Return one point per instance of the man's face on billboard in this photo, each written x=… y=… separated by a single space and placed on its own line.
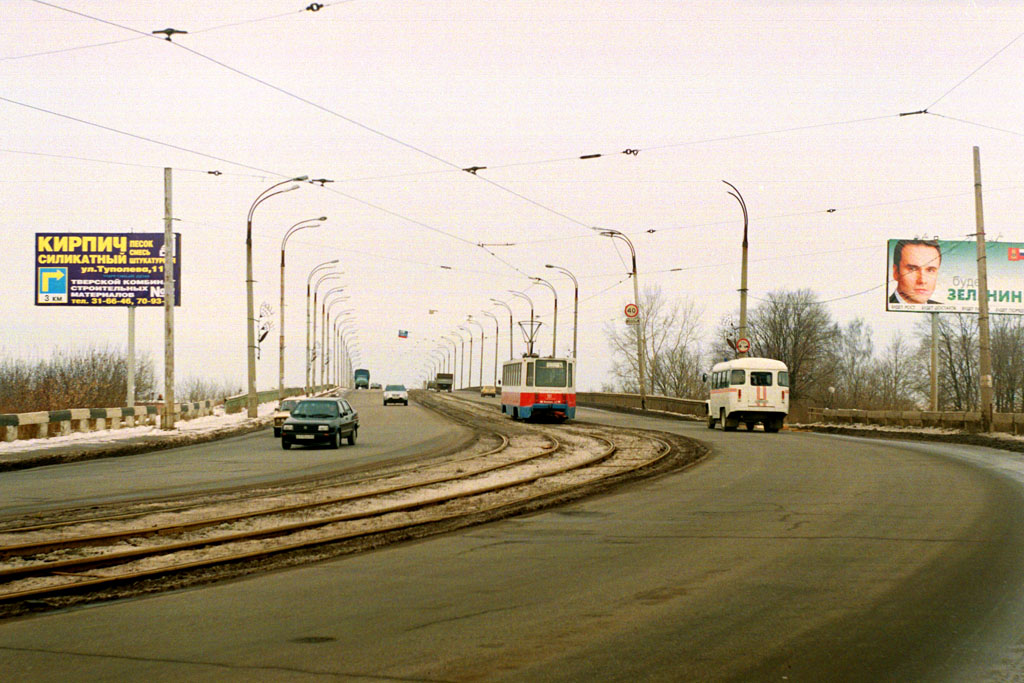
x=916 y=274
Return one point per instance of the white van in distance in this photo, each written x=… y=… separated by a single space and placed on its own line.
x=748 y=390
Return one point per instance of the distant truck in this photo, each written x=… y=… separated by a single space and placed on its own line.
x=444 y=381
x=362 y=378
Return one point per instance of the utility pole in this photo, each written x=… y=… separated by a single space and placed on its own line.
x=984 y=344
x=168 y=417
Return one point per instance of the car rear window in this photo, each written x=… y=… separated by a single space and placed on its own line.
x=395 y=387
x=317 y=409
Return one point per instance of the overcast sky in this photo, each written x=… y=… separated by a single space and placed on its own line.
x=795 y=103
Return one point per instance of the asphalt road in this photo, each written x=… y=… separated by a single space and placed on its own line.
x=790 y=556
x=385 y=433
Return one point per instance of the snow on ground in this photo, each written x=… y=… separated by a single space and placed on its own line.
x=219 y=421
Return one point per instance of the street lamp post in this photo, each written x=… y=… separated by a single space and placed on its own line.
x=454 y=358
x=438 y=362
x=295 y=228
x=328 y=328
x=554 y=322
x=250 y=321
x=312 y=360
x=743 y=269
x=509 y=309
x=309 y=280
x=325 y=357
x=641 y=343
x=477 y=323
x=575 y=303
x=529 y=341
x=463 y=328
x=340 y=351
x=497 y=334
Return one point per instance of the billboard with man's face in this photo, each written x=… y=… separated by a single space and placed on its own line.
x=941 y=276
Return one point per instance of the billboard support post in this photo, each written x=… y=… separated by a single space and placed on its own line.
x=935 y=362
x=984 y=344
x=130 y=398
x=167 y=421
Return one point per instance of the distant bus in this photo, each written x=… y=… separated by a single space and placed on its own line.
x=534 y=387
x=362 y=378
x=748 y=390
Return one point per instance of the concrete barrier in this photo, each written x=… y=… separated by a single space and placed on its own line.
x=45 y=424
x=965 y=421
x=631 y=402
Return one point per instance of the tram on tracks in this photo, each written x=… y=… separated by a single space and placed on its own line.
x=539 y=388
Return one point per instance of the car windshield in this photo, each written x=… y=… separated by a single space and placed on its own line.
x=395 y=387
x=287 y=405
x=316 y=409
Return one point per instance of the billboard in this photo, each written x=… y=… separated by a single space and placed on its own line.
x=941 y=276
x=103 y=269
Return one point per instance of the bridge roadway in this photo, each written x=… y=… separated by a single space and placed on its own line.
x=793 y=556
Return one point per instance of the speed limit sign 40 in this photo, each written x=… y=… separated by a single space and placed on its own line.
x=632 y=310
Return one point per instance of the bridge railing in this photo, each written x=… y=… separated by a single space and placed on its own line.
x=46 y=424
x=968 y=421
x=664 y=404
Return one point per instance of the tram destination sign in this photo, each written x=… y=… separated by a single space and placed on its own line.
x=103 y=269
x=941 y=276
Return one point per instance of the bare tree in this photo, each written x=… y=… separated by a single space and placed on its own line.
x=958 y=359
x=852 y=366
x=83 y=378
x=673 y=353
x=797 y=329
x=201 y=389
x=1008 y=363
x=897 y=377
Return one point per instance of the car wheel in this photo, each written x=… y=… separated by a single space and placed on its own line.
x=352 y=436
x=286 y=444
x=336 y=440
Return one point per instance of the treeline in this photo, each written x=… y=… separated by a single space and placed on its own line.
x=831 y=364
x=91 y=377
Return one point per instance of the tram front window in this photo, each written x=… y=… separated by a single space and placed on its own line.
x=551 y=373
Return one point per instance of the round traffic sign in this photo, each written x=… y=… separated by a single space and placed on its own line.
x=742 y=345
x=632 y=310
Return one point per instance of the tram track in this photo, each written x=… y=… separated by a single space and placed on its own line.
x=531 y=465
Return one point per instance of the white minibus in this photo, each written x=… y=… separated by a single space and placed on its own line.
x=748 y=390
